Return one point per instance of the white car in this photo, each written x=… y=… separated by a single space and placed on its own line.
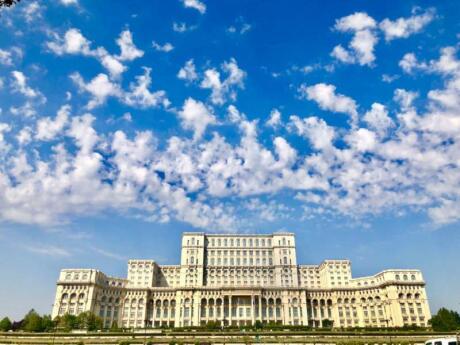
x=442 y=341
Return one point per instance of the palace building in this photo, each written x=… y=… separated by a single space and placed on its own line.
x=242 y=279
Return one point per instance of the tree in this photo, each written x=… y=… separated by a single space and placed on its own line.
x=47 y=323
x=328 y=323
x=5 y=324
x=8 y=3
x=67 y=322
x=445 y=320
x=32 y=322
x=89 y=321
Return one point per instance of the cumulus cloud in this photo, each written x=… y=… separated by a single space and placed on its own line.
x=366 y=30
x=224 y=89
x=7 y=56
x=69 y=2
x=100 y=88
x=188 y=72
x=19 y=85
x=361 y=47
x=405 y=27
x=327 y=99
x=165 y=48
x=196 y=116
x=195 y=4
x=74 y=43
x=183 y=27
x=138 y=95
x=274 y=119
x=129 y=51
x=48 y=128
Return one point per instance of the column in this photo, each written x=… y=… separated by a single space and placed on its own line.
x=253 y=312
x=230 y=307
x=303 y=300
x=260 y=308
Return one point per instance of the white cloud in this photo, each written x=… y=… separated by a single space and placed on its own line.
x=129 y=51
x=222 y=90
x=100 y=88
x=69 y=2
x=315 y=130
x=48 y=250
x=386 y=78
x=48 y=129
x=24 y=136
x=196 y=116
x=5 y=57
x=19 y=85
x=4 y=127
x=32 y=11
x=183 y=27
x=275 y=118
x=405 y=27
x=26 y=110
x=140 y=96
x=195 y=4
x=188 y=72
x=165 y=48
x=362 y=140
x=361 y=48
x=327 y=99
x=74 y=43
x=377 y=118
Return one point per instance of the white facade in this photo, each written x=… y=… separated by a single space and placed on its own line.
x=241 y=279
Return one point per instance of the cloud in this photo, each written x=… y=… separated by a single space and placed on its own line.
x=188 y=72
x=19 y=85
x=100 y=88
x=366 y=31
x=183 y=27
x=129 y=51
x=405 y=27
x=74 y=43
x=222 y=90
x=275 y=118
x=7 y=56
x=47 y=250
x=315 y=130
x=196 y=116
x=69 y=2
x=48 y=129
x=361 y=47
x=138 y=95
x=377 y=118
x=195 y=4
x=165 y=48
x=327 y=99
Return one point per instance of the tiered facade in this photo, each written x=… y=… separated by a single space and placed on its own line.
x=241 y=279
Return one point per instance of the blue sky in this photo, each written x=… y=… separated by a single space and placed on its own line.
x=121 y=127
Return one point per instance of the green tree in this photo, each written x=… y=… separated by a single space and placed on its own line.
x=33 y=322
x=67 y=322
x=445 y=320
x=328 y=323
x=47 y=323
x=89 y=321
x=5 y=324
